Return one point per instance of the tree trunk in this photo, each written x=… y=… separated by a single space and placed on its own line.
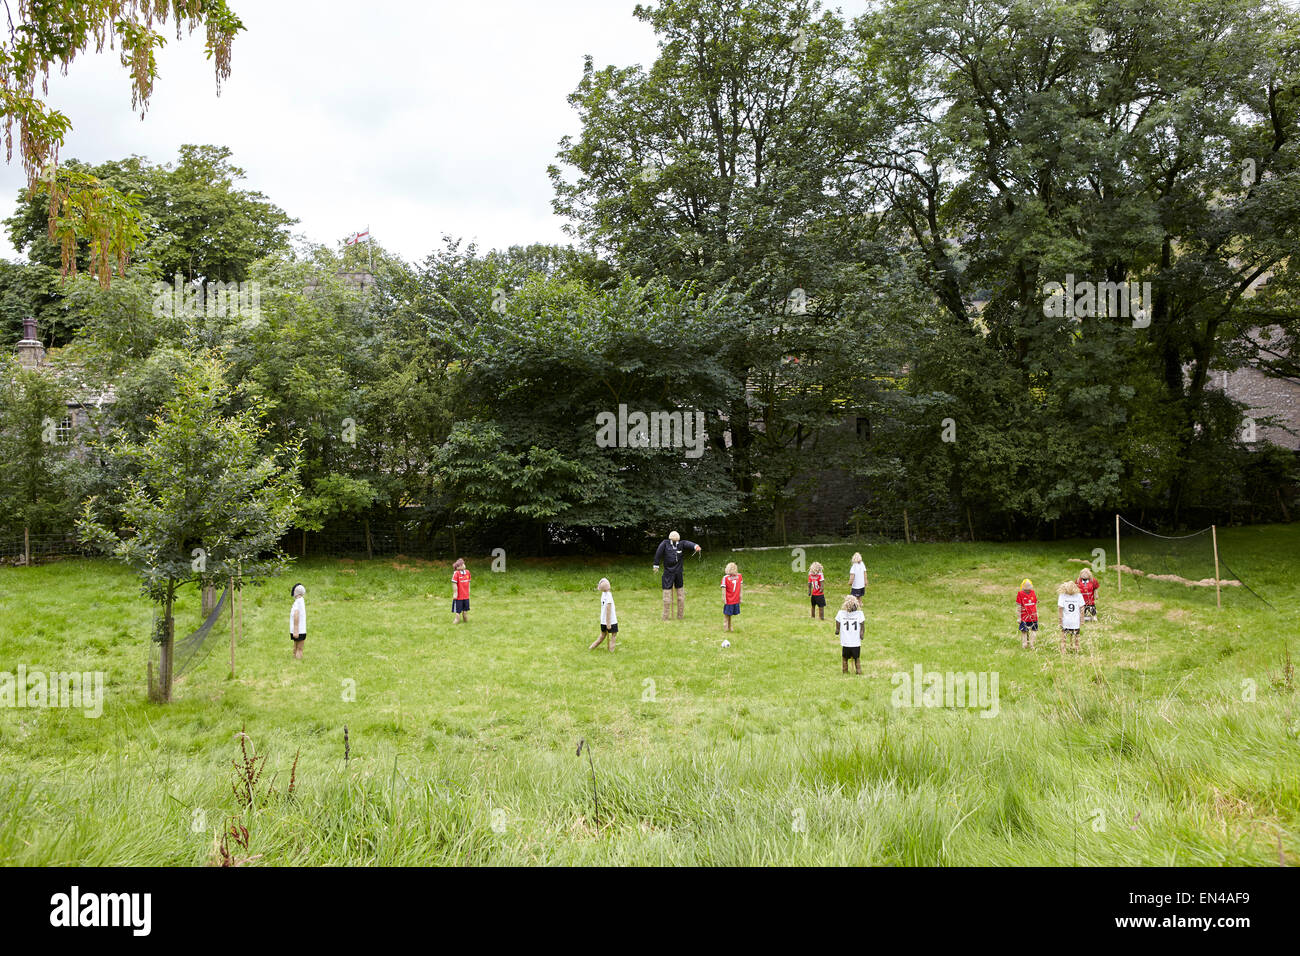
x=168 y=646
x=209 y=599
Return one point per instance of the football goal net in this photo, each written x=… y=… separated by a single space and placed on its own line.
x=1191 y=563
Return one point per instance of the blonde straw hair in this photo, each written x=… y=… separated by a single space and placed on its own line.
x=851 y=604
x=815 y=568
x=857 y=557
x=731 y=568
x=1069 y=587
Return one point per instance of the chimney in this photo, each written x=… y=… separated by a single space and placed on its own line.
x=31 y=352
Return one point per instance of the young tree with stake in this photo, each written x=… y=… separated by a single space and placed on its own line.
x=206 y=501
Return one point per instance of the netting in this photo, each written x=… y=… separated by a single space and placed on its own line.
x=191 y=650
x=1179 y=565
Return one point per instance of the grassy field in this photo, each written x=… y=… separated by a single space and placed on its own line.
x=1152 y=746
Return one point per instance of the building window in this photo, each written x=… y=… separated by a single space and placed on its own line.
x=63 y=432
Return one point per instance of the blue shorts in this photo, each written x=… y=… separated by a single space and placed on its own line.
x=459 y=604
x=1028 y=626
x=730 y=609
x=857 y=592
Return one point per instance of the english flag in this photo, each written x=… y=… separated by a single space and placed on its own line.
x=356 y=237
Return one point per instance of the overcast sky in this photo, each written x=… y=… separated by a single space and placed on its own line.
x=415 y=118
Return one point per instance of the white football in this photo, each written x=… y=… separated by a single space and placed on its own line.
x=726 y=643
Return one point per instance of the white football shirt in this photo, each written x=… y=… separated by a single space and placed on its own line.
x=850 y=623
x=299 y=605
x=607 y=599
x=858 y=575
x=1072 y=607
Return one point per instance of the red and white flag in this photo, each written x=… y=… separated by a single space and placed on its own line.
x=356 y=237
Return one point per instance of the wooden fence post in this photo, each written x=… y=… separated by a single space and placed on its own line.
x=1214 y=537
x=1119 y=578
x=232 y=627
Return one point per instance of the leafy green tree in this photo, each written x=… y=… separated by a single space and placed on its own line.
x=484 y=479
x=32 y=291
x=120 y=326
x=194 y=220
x=558 y=354
x=205 y=500
x=309 y=354
x=37 y=464
x=726 y=163
x=412 y=397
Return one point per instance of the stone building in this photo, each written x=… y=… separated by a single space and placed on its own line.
x=82 y=403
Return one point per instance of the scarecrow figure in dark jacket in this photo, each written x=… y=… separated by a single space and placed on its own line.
x=671 y=556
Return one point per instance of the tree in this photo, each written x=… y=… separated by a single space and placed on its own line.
x=538 y=375
x=309 y=354
x=48 y=36
x=204 y=502
x=36 y=463
x=194 y=219
x=725 y=164
x=484 y=478
x=32 y=291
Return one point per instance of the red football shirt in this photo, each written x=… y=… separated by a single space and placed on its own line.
x=816 y=582
x=731 y=585
x=1088 y=588
x=1028 y=602
x=461 y=579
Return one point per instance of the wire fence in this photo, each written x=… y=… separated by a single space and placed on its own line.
x=40 y=548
